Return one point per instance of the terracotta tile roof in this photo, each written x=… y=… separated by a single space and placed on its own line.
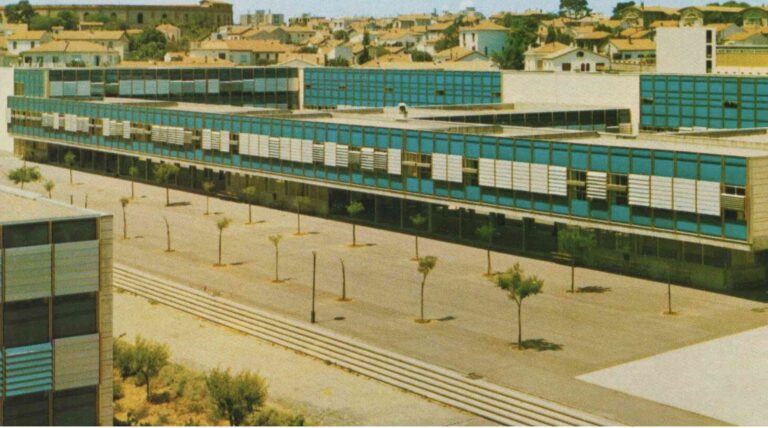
x=485 y=26
x=27 y=35
x=61 y=46
x=595 y=35
x=549 y=48
x=245 y=45
x=454 y=53
x=665 y=23
x=89 y=35
x=634 y=44
x=166 y=27
x=744 y=35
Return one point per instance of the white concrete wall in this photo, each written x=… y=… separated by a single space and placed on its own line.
x=585 y=89
x=6 y=90
x=683 y=50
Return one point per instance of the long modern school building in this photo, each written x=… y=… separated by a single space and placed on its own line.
x=689 y=207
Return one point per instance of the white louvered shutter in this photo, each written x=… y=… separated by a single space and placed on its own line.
x=56 y=121
x=540 y=178
x=342 y=155
x=330 y=154
x=439 y=166
x=127 y=131
x=285 y=149
x=708 y=198
x=486 y=172
x=639 y=190
x=455 y=169
x=318 y=153
x=295 y=150
x=394 y=161
x=274 y=148
x=661 y=192
x=215 y=140
x=105 y=127
x=684 y=194
x=225 y=141
x=597 y=186
x=558 y=180
x=504 y=174
x=207 y=139
x=366 y=158
x=521 y=176
x=380 y=160
x=264 y=145
x=306 y=151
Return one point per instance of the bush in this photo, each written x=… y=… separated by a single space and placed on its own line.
x=123 y=357
x=160 y=398
x=117 y=390
x=274 y=418
x=236 y=397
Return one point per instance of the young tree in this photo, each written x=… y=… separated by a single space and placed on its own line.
x=124 y=203
x=353 y=209
x=518 y=288
x=69 y=160
x=235 y=397
x=208 y=187
x=48 y=186
x=300 y=202
x=221 y=225
x=417 y=220
x=486 y=232
x=275 y=240
x=164 y=173
x=343 y=282
x=426 y=265
x=24 y=174
x=250 y=194
x=574 y=241
x=575 y=9
x=148 y=358
x=133 y=172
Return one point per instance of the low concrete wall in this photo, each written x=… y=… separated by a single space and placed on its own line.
x=585 y=89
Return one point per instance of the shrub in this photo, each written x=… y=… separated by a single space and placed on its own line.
x=160 y=398
x=123 y=357
x=117 y=390
x=271 y=417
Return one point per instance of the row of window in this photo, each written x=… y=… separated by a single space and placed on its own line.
x=57 y=232
x=72 y=407
x=27 y=322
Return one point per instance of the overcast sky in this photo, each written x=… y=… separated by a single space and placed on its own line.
x=330 y=8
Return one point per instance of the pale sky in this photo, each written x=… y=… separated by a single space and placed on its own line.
x=331 y=8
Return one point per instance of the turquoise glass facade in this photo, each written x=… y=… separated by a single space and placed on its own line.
x=585 y=120
x=670 y=102
x=30 y=83
x=332 y=87
x=576 y=157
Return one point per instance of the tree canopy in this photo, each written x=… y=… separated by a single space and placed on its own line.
x=522 y=34
x=19 y=13
x=236 y=397
x=575 y=9
x=150 y=44
x=616 y=14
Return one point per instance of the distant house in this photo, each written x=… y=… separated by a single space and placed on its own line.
x=241 y=52
x=398 y=38
x=299 y=35
x=627 y=49
x=486 y=37
x=172 y=33
x=61 y=53
x=404 y=22
x=697 y=16
x=112 y=40
x=644 y=16
x=458 y=54
x=559 y=57
x=754 y=37
x=21 y=41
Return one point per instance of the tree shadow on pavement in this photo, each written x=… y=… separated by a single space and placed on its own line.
x=597 y=289
x=540 y=345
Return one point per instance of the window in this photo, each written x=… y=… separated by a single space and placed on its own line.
x=74 y=231
x=731 y=104
x=26 y=410
x=74 y=315
x=578 y=193
x=25 y=235
x=735 y=191
x=648 y=100
x=75 y=407
x=577 y=176
x=733 y=215
x=618 y=180
x=566 y=66
x=25 y=323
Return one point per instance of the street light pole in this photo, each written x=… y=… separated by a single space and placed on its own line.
x=314 y=276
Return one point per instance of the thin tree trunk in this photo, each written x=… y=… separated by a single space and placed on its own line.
x=207 y=205
x=167 y=235
x=573 y=274
x=343 y=281
x=250 y=218
x=519 y=325
x=423 y=281
x=277 y=264
x=70 y=176
x=220 y=234
x=417 y=246
x=298 y=221
x=167 y=197
x=133 y=194
x=488 y=254
x=125 y=225
x=354 y=235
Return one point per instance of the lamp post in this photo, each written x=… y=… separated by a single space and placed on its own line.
x=314 y=276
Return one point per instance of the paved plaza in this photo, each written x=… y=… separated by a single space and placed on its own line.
x=473 y=322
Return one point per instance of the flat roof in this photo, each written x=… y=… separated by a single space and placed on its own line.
x=503 y=109
x=20 y=206
x=186 y=106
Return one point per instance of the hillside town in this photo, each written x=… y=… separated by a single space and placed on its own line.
x=533 y=40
